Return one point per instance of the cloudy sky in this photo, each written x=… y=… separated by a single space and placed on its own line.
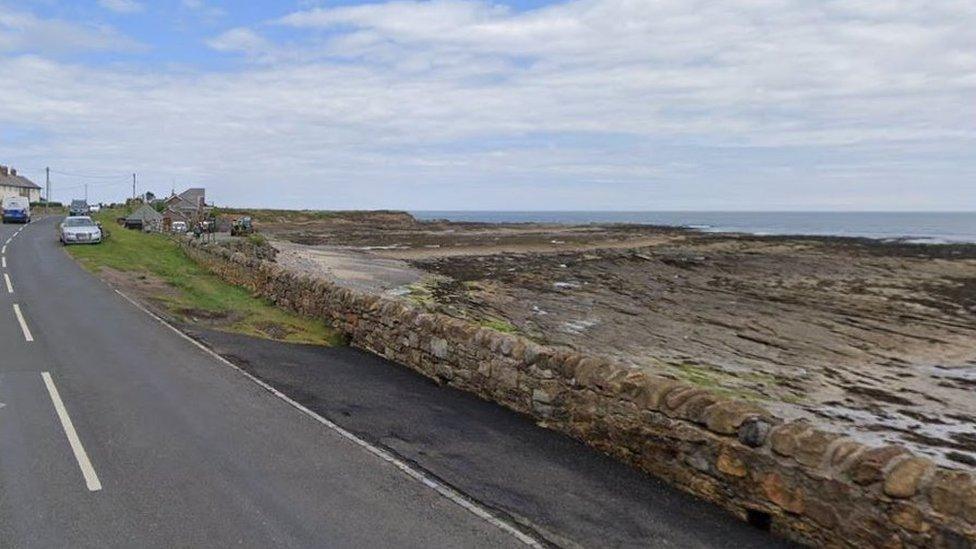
x=506 y=104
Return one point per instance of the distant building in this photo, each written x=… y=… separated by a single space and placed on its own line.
x=12 y=184
x=145 y=218
x=191 y=203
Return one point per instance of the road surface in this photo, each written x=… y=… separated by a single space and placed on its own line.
x=116 y=431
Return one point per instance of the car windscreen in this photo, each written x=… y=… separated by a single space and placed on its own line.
x=78 y=223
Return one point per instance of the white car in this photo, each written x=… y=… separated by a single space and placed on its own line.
x=79 y=230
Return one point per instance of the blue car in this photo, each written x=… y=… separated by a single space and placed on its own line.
x=16 y=209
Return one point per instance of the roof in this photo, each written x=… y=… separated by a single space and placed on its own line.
x=144 y=214
x=19 y=181
x=194 y=196
x=175 y=215
x=188 y=200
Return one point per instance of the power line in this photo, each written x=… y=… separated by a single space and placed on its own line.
x=90 y=176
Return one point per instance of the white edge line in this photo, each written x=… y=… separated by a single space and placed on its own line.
x=441 y=488
x=23 y=323
x=91 y=478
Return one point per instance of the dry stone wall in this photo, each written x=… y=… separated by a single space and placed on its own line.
x=812 y=486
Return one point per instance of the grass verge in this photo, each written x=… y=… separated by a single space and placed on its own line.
x=188 y=292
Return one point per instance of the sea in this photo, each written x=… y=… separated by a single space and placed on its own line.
x=917 y=227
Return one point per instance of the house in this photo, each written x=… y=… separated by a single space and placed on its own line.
x=12 y=184
x=145 y=218
x=191 y=203
x=170 y=215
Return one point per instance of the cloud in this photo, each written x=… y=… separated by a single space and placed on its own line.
x=203 y=9
x=24 y=32
x=122 y=6
x=240 y=40
x=584 y=103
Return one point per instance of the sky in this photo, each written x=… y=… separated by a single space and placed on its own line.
x=497 y=105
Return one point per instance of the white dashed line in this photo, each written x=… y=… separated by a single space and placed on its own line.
x=4 y=259
x=23 y=323
x=91 y=478
x=6 y=279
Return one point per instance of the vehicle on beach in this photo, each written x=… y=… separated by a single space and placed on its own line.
x=79 y=230
x=78 y=208
x=16 y=209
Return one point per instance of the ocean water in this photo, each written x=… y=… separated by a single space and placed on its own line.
x=923 y=227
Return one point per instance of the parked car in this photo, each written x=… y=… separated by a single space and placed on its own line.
x=178 y=227
x=79 y=230
x=95 y=208
x=16 y=209
x=78 y=208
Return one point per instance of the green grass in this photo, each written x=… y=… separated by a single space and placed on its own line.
x=499 y=326
x=724 y=382
x=194 y=291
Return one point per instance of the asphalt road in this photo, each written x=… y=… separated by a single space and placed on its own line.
x=116 y=431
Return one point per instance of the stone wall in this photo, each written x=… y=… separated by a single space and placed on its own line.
x=812 y=486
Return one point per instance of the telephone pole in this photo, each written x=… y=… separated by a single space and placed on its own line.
x=86 y=193
x=47 y=177
x=133 y=186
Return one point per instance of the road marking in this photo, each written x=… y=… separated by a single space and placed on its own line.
x=420 y=476
x=6 y=279
x=23 y=323
x=4 y=258
x=91 y=478
x=4 y=249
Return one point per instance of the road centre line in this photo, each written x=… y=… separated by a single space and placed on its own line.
x=4 y=259
x=91 y=478
x=418 y=475
x=23 y=323
x=10 y=287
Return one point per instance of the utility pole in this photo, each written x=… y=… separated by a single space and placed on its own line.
x=86 y=193
x=133 y=186
x=47 y=177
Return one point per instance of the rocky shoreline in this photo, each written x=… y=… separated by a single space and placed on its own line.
x=872 y=337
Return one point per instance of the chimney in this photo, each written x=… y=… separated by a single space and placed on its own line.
x=3 y=170
x=13 y=172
